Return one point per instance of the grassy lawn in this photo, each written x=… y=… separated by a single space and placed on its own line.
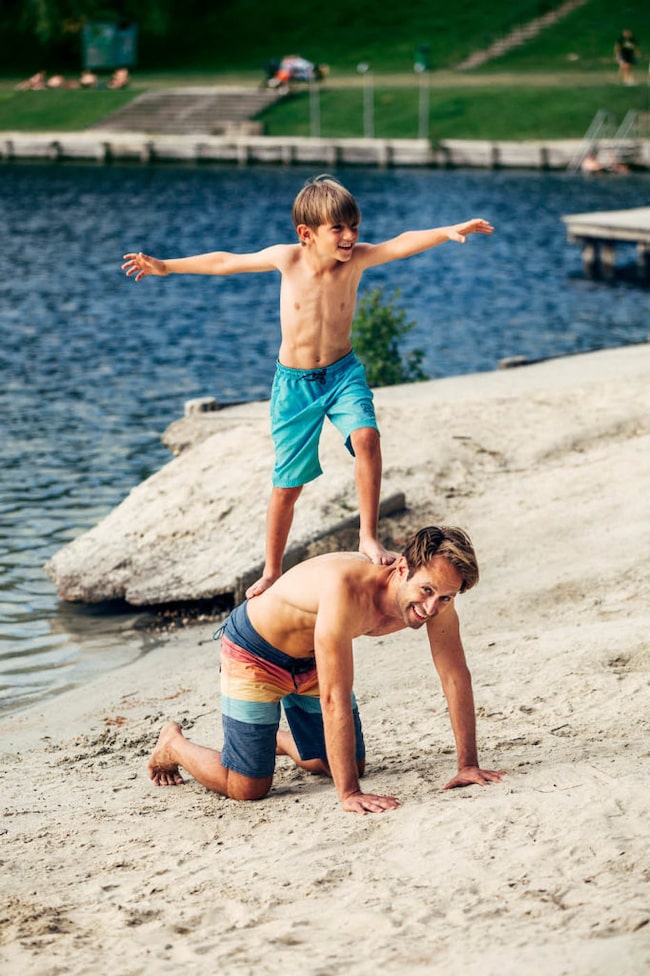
x=549 y=88
x=244 y=34
x=498 y=112
x=584 y=40
x=62 y=111
x=503 y=110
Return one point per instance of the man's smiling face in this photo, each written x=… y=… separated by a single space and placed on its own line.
x=428 y=592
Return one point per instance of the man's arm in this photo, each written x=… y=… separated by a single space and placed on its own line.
x=334 y=661
x=449 y=658
x=415 y=241
x=140 y=265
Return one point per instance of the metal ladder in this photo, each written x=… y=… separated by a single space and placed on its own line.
x=621 y=143
x=600 y=128
x=624 y=145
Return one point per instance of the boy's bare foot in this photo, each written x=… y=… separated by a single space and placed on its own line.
x=162 y=768
x=376 y=553
x=263 y=583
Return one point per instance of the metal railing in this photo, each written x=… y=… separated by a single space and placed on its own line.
x=619 y=143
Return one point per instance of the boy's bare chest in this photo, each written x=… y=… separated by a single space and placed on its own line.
x=324 y=296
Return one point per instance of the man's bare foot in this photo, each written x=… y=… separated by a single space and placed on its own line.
x=162 y=768
x=262 y=584
x=376 y=553
x=284 y=745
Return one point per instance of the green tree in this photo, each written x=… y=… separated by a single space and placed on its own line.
x=49 y=20
x=378 y=329
x=47 y=33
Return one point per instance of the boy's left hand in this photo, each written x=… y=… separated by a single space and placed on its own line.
x=476 y=226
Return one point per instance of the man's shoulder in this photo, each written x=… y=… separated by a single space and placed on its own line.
x=334 y=568
x=348 y=578
x=320 y=584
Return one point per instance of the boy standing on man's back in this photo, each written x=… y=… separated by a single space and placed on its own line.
x=317 y=373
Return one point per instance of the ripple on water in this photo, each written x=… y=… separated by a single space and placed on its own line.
x=95 y=367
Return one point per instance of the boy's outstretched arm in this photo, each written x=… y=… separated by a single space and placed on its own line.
x=414 y=241
x=139 y=265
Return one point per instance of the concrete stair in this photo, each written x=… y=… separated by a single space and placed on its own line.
x=192 y=111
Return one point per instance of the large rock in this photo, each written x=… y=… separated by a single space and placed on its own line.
x=195 y=529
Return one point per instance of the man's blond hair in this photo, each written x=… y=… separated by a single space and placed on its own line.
x=323 y=200
x=448 y=541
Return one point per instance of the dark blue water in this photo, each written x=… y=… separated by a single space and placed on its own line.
x=94 y=367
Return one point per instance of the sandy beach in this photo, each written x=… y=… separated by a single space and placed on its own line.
x=546 y=874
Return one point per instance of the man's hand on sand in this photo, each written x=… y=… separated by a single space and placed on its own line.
x=141 y=265
x=470 y=775
x=364 y=803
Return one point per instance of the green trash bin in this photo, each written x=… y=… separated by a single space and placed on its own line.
x=422 y=58
x=107 y=46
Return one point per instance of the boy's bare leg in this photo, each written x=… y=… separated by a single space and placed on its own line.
x=367 y=475
x=203 y=764
x=279 y=517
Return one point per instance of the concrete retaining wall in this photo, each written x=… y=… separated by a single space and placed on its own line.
x=106 y=146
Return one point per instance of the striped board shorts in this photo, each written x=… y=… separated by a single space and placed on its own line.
x=257 y=681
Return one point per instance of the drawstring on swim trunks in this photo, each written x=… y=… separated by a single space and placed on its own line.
x=300 y=667
x=217 y=634
x=317 y=376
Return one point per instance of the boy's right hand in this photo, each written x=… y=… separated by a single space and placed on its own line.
x=459 y=232
x=142 y=265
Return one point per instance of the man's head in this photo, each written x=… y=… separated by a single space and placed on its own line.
x=449 y=542
x=323 y=200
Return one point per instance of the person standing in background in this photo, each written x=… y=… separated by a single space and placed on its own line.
x=626 y=52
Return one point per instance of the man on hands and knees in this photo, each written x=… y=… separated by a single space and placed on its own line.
x=291 y=647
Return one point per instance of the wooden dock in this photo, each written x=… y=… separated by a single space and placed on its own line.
x=599 y=233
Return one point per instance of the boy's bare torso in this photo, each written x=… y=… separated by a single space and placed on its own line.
x=317 y=303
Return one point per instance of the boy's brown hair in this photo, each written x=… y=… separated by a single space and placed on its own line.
x=323 y=200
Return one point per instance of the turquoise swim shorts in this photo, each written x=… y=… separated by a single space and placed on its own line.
x=301 y=399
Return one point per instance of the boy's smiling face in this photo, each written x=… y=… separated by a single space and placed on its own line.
x=331 y=240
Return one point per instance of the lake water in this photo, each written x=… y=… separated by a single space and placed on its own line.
x=94 y=367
